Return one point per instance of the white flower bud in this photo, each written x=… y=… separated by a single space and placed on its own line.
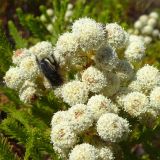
x=90 y=34
x=50 y=28
x=135 y=51
x=42 y=49
x=28 y=95
x=80 y=118
x=98 y=105
x=134 y=38
x=116 y=36
x=69 y=6
x=75 y=92
x=138 y=25
x=49 y=12
x=94 y=78
x=148 y=77
x=66 y=48
x=143 y=19
x=147 y=40
x=135 y=86
x=135 y=103
x=43 y=18
x=62 y=136
x=20 y=54
x=14 y=78
x=155 y=98
x=106 y=153
x=147 y=30
x=154 y=15
x=152 y=22
x=84 y=151
x=29 y=92
x=59 y=117
x=155 y=33
x=68 y=14
x=30 y=67
x=112 y=128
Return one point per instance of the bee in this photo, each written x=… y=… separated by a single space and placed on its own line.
x=51 y=70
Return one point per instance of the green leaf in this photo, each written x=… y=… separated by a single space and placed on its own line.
x=5 y=53
x=14 y=130
x=19 y=41
x=31 y=23
x=24 y=117
x=6 y=150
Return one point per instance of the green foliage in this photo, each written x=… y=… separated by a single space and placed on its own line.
x=5 y=150
x=29 y=125
x=5 y=52
x=31 y=23
x=19 y=41
x=60 y=25
x=12 y=128
x=29 y=130
x=105 y=12
x=153 y=56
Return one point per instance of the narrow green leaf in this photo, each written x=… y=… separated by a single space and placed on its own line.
x=6 y=150
x=19 y=41
x=5 y=52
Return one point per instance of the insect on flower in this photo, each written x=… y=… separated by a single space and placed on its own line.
x=50 y=69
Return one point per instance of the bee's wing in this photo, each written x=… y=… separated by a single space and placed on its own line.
x=49 y=70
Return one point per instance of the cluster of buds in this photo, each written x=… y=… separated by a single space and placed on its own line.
x=148 y=27
x=25 y=76
x=69 y=13
x=105 y=82
x=102 y=87
x=49 y=18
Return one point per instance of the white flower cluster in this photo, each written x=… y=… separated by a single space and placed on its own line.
x=49 y=18
x=90 y=50
x=135 y=50
x=144 y=93
x=147 y=26
x=24 y=76
x=69 y=126
x=103 y=85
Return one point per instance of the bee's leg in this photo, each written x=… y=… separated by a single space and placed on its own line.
x=54 y=61
x=48 y=62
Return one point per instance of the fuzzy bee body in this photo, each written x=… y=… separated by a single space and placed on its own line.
x=50 y=69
